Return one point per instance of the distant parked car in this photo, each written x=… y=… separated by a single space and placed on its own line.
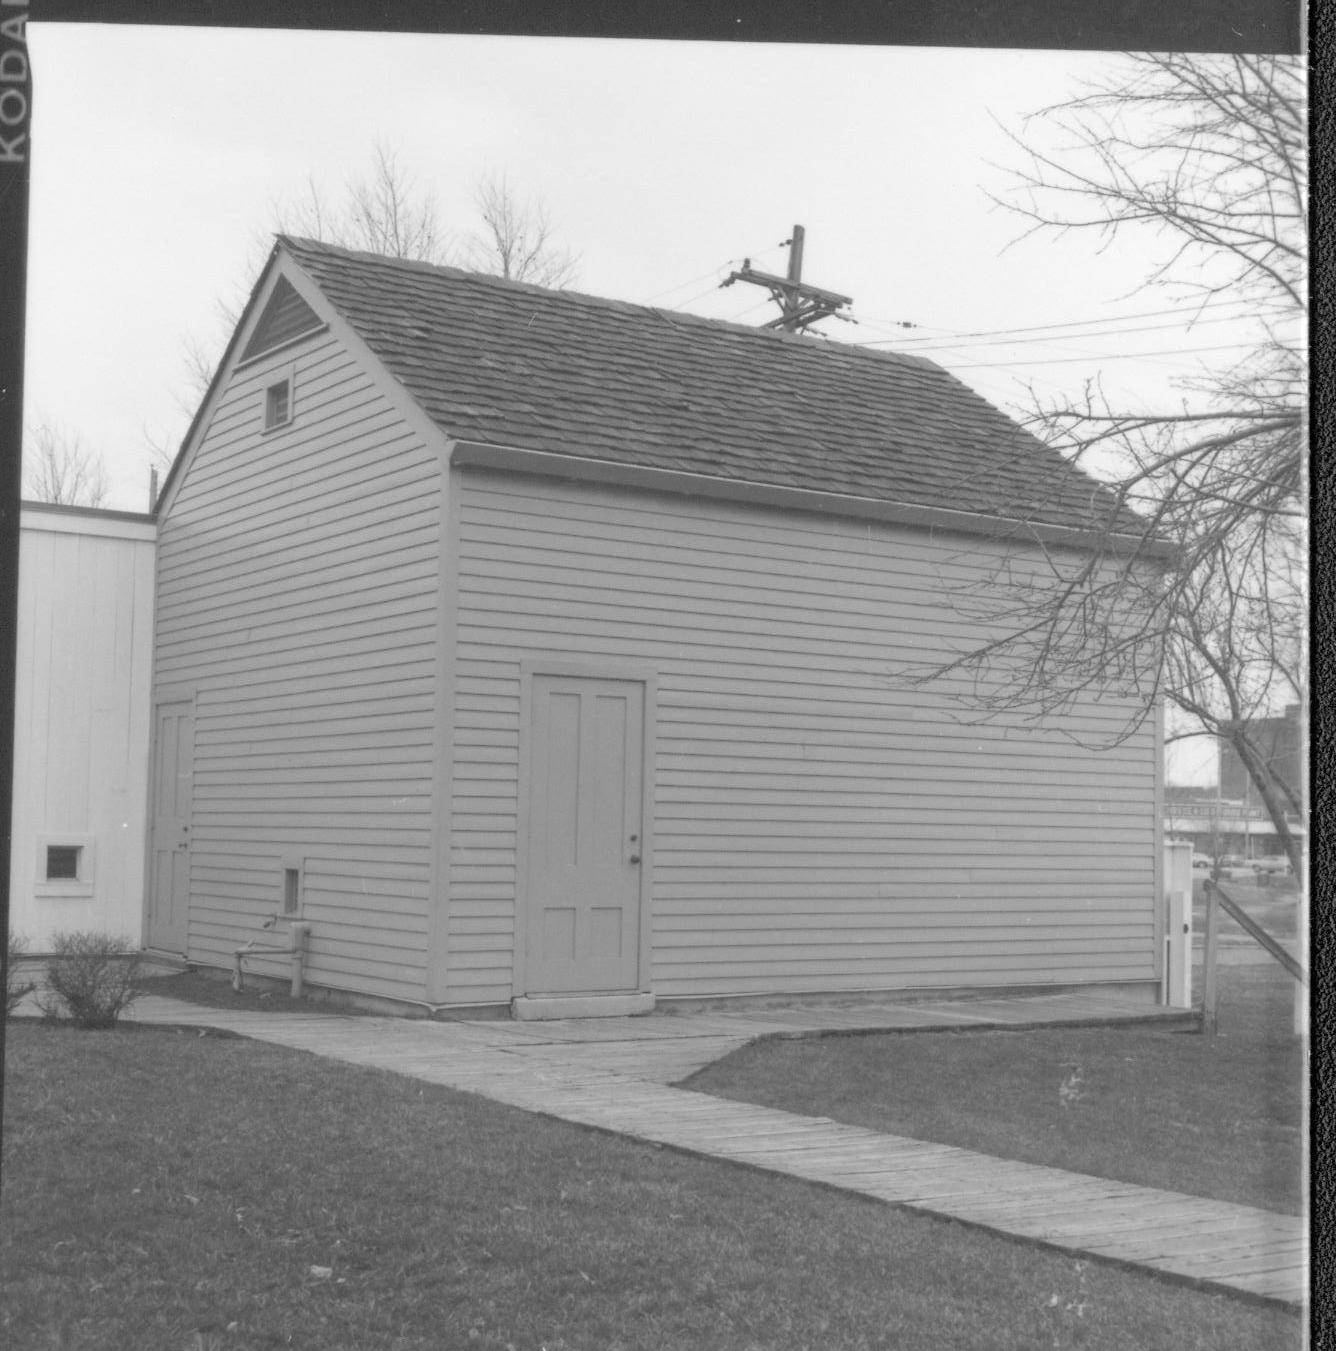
x=1202 y=863
x=1272 y=863
x=1235 y=868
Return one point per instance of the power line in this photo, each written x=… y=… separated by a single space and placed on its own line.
x=1032 y=328
x=742 y=314
x=1073 y=323
x=700 y=295
x=713 y=272
x=933 y=345
x=945 y=341
x=1097 y=356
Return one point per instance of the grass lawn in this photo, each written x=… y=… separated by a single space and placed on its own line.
x=213 y=988
x=1215 y=1116
x=1274 y=907
x=168 y=1191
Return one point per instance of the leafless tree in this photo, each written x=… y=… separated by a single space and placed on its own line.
x=388 y=214
x=1206 y=153
x=161 y=451
x=1202 y=158
x=517 y=239
x=384 y=213
x=58 y=468
x=199 y=364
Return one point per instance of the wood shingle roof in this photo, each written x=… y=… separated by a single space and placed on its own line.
x=507 y=364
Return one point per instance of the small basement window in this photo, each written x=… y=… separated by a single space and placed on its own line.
x=292 y=890
x=62 y=862
x=65 y=865
x=278 y=404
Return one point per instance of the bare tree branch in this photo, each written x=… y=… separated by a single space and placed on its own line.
x=384 y=213
x=517 y=239
x=58 y=468
x=387 y=213
x=1206 y=155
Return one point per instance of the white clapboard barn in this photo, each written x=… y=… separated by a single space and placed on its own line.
x=550 y=653
x=81 y=730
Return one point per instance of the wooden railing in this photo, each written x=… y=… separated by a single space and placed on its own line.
x=1217 y=898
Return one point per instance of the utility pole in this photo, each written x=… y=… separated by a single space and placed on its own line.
x=799 y=303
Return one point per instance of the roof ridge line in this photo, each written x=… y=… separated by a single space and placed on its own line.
x=422 y=266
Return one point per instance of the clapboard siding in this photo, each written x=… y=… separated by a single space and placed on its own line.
x=298 y=598
x=820 y=822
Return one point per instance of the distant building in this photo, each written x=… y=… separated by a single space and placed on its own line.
x=1219 y=825
x=1281 y=741
x=1230 y=818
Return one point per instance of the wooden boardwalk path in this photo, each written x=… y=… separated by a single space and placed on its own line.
x=613 y=1075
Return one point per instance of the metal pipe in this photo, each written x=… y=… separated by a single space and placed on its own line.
x=298 y=935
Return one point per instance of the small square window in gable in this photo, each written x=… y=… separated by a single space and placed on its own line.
x=278 y=404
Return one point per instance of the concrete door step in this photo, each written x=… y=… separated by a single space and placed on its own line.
x=533 y=1007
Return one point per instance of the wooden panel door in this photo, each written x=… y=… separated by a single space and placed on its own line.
x=173 y=791
x=585 y=836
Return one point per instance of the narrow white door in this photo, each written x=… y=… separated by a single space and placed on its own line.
x=585 y=837
x=173 y=791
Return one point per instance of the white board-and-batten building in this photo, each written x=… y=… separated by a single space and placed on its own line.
x=546 y=652
x=81 y=729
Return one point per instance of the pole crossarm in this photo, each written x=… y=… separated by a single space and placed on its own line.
x=799 y=303
x=783 y=287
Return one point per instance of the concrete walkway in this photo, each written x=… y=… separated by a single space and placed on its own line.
x=612 y=1074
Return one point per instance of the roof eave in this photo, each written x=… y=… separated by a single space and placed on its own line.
x=222 y=369
x=517 y=460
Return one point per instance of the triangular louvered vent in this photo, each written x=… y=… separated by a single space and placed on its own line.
x=285 y=317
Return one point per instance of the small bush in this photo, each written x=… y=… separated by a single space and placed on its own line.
x=15 y=988
x=90 y=979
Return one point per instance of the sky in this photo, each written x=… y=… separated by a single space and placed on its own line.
x=162 y=159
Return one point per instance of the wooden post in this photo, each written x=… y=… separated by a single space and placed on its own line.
x=792 y=301
x=1301 y=933
x=796 y=255
x=1209 y=1009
